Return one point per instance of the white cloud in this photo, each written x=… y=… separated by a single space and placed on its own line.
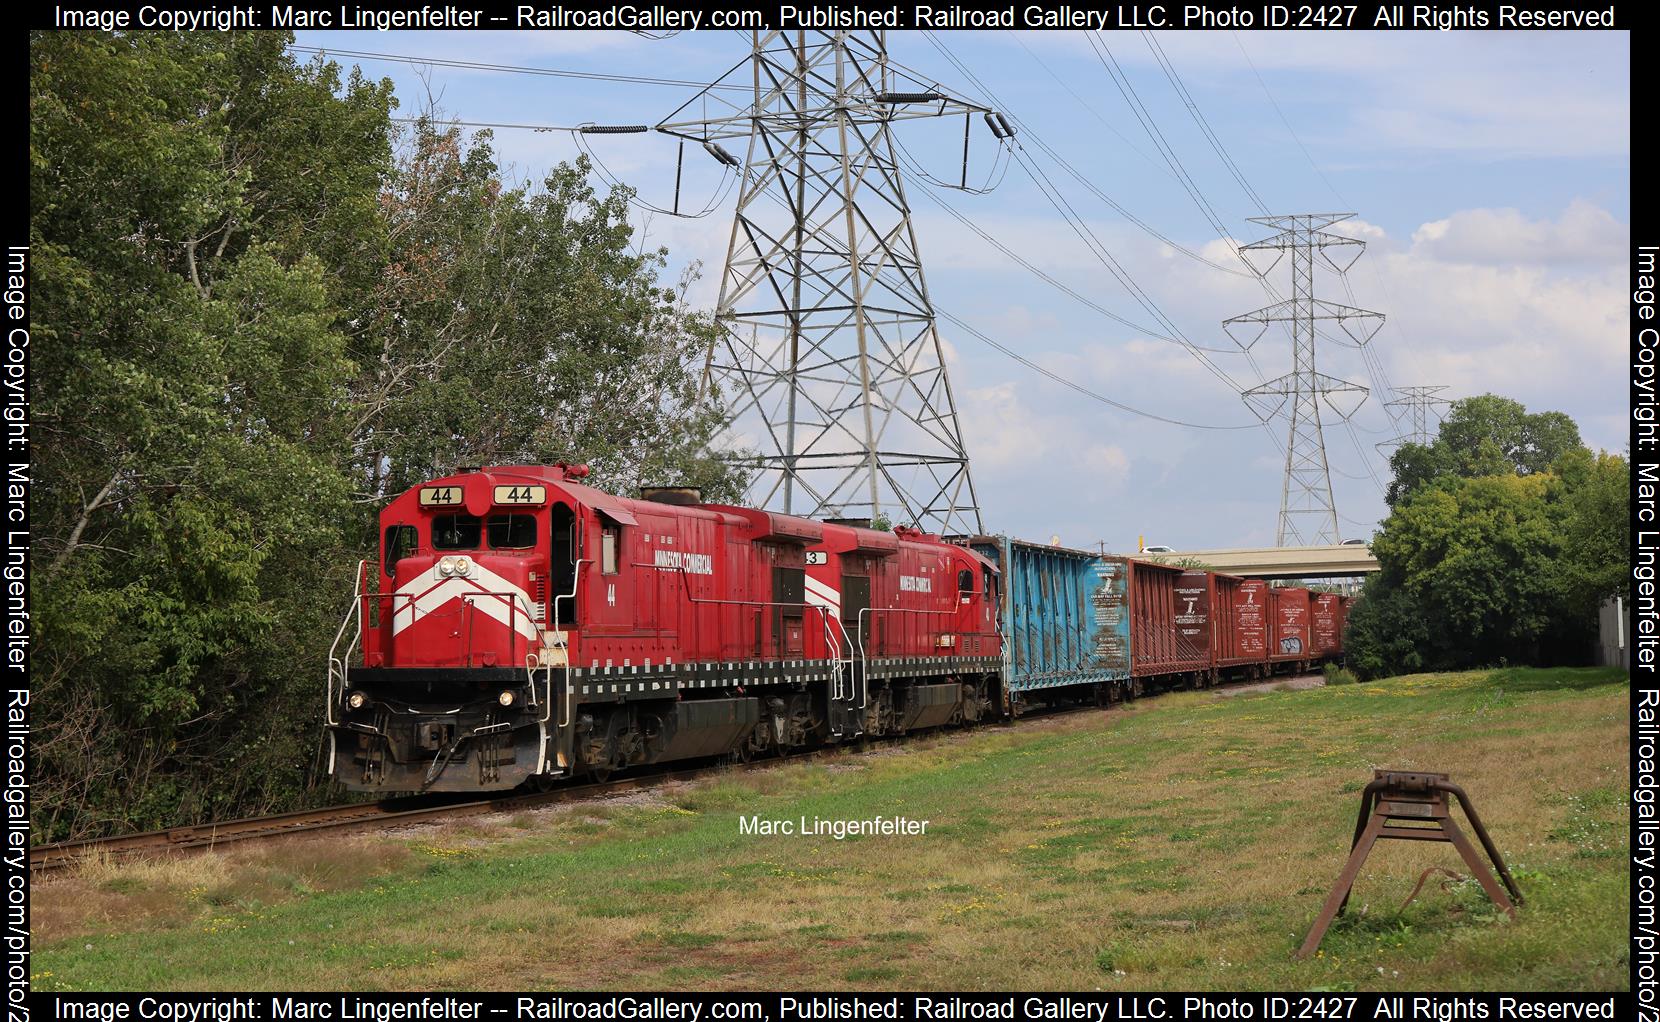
x=1584 y=233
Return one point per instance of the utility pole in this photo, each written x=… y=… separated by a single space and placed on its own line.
x=1417 y=401
x=1308 y=512
x=829 y=357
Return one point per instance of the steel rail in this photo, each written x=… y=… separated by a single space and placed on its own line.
x=419 y=808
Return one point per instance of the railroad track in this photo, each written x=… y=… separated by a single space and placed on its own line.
x=393 y=812
x=363 y=815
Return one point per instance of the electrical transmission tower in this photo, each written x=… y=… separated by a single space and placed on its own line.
x=1417 y=401
x=830 y=358
x=1308 y=512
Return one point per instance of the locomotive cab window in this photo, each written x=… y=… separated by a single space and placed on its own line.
x=456 y=532
x=510 y=532
x=965 y=582
x=991 y=586
x=610 y=543
x=400 y=543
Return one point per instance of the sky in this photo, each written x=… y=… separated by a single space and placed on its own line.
x=1488 y=173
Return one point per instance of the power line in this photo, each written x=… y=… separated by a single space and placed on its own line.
x=1074 y=385
x=1374 y=364
x=1199 y=119
x=1027 y=131
x=1113 y=266
x=548 y=72
x=1041 y=370
x=482 y=124
x=716 y=199
x=1088 y=106
x=1062 y=286
x=1103 y=53
x=1283 y=119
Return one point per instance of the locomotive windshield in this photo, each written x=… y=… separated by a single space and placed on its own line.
x=510 y=532
x=455 y=532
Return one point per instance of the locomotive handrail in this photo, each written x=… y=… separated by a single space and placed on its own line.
x=576 y=583
x=338 y=663
x=824 y=612
x=513 y=600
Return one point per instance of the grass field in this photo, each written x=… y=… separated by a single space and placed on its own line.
x=1185 y=842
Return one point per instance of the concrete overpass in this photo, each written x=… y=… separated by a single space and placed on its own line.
x=1347 y=560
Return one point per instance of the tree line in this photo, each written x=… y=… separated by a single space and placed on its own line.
x=261 y=306
x=1505 y=534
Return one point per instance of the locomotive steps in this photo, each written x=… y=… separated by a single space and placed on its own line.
x=1179 y=842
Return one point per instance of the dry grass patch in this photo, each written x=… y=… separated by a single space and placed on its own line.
x=1179 y=843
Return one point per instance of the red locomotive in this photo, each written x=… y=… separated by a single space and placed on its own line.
x=521 y=626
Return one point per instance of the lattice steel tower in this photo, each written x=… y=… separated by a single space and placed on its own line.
x=1417 y=401
x=830 y=357
x=1308 y=512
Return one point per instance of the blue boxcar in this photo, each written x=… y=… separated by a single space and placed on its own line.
x=1062 y=615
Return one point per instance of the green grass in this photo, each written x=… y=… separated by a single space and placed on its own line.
x=1184 y=843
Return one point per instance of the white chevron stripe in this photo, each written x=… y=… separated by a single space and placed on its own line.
x=435 y=591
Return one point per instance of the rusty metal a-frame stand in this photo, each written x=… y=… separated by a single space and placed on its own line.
x=1396 y=805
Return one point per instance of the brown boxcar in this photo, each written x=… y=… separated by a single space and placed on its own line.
x=1344 y=605
x=1156 y=648
x=1196 y=619
x=1251 y=607
x=1326 y=625
x=1227 y=653
x=1289 y=621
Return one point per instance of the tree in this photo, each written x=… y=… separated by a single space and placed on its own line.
x=518 y=326
x=190 y=372
x=1504 y=536
x=1481 y=436
x=255 y=318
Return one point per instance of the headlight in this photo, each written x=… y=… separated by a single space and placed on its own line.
x=506 y=698
x=356 y=700
x=446 y=567
x=462 y=565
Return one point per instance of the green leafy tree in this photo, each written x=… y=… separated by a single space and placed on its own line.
x=1504 y=535
x=257 y=316
x=1482 y=436
x=190 y=371
x=519 y=325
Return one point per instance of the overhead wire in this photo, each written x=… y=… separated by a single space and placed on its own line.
x=1061 y=285
x=941 y=313
x=483 y=124
x=1149 y=124
x=1104 y=54
x=716 y=199
x=1073 y=384
x=1374 y=363
x=1026 y=131
x=1199 y=118
x=1113 y=266
x=994 y=176
x=548 y=72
